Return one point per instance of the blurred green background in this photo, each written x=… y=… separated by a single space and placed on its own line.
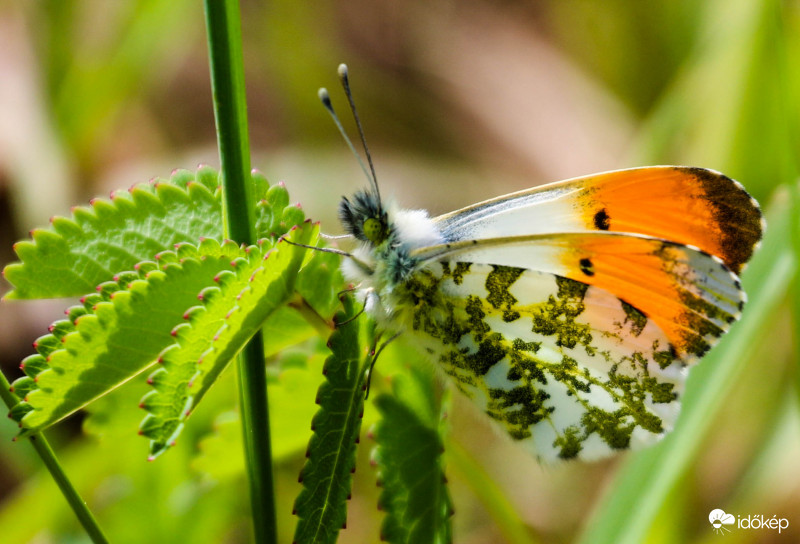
x=461 y=101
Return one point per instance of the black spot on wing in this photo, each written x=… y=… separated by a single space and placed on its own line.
x=601 y=220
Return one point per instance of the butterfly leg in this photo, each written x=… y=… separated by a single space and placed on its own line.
x=361 y=311
x=375 y=358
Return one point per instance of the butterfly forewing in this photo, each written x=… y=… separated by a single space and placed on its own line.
x=692 y=206
x=567 y=369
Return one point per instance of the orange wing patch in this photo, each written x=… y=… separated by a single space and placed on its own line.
x=692 y=296
x=691 y=206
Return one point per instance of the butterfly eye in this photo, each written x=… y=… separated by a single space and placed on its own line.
x=374 y=230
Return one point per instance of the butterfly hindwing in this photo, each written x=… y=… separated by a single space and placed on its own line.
x=567 y=369
x=692 y=296
x=691 y=206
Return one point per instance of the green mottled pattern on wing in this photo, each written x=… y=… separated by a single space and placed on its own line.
x=567 y=369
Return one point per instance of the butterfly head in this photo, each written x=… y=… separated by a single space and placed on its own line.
x=365 y=218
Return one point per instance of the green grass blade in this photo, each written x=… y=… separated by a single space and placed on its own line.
x=224 y=38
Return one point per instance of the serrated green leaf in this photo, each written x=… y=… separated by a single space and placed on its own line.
x=75 y=254
x=409 y=457
x=126 y=324
x=321 y=505
x=231 y=312
x=130 y=323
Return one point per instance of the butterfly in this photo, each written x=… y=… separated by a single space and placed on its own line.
x=569 y=313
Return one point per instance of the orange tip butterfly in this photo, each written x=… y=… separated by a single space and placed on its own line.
x=569 y=313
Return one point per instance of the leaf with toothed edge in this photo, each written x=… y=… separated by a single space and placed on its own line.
x=215 y=330
x=127 y=325
x=116 y=334
x=409 y=457
x=75 y=254
x=321 y=506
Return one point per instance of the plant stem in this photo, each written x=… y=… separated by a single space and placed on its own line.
x=48 y=456
x=323 y=327
x=223 y=22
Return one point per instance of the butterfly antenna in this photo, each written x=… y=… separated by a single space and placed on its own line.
x=345 y=79
x=325 y=98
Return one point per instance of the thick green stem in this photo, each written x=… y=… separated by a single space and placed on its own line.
x=230 y=110
x=47 y=455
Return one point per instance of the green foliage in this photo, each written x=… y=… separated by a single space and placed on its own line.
x=409 y=458
x=117 y=333
x=232 y=311
x=321 y=506
x=76 y=254
x=151 y=312
x=151 y=315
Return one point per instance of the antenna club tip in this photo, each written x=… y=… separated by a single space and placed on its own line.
x=342 y=70
x=325 y=98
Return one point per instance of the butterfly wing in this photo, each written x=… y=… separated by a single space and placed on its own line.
x=575 y=343
x=569 y=312
x=691 y=206
x=566 y=368
x=690 y=295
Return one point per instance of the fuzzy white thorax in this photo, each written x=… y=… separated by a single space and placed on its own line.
x=352 y=271
x=414 y=228
x=367 y=285
x=411 y=229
